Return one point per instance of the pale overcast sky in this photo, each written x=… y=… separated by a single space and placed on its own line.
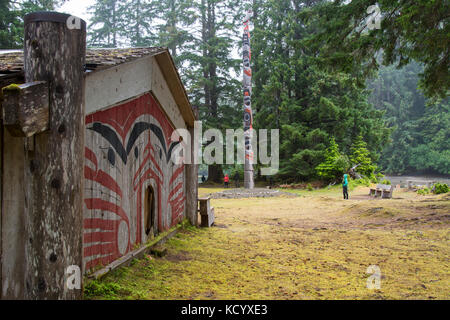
x=77 y=8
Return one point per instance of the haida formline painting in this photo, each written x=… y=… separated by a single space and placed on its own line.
x=248 y=116
x=129 y=175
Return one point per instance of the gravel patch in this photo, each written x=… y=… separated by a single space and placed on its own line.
x=254 y=193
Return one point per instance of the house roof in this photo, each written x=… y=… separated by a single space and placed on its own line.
x=11 y=68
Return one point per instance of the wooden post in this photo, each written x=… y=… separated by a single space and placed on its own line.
x=206 y=213
x=25 y=108
x=55 y=49
x=192 y=183
x=1 y=197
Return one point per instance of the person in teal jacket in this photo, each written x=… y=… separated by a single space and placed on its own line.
x=345 y=186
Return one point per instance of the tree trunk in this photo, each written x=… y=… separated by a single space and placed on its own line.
x=215 y=173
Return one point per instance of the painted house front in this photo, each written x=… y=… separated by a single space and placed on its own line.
x=133 y=101
x=133 y=189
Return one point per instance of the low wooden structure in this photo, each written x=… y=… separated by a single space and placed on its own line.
x=206 y=212
x=382 y=190
x=86 y=168
x=414 y=183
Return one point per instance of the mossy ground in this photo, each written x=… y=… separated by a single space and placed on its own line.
x=316 y=246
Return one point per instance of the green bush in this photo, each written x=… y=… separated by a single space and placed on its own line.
x=335 y=164
x=440 y=188
x=309 y=187
x=361 y=155
x=423 y=191
x=239 y=169
x=379 y=176
x=386 y=181
x=365 y=181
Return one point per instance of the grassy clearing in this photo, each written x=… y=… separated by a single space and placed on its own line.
x=316 y=246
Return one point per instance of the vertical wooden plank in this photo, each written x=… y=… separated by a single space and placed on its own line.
x=55 y=53
x=1 y=196
x=191 y=178
x=13 y=237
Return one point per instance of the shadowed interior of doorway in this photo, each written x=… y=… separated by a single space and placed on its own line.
x=150 y=216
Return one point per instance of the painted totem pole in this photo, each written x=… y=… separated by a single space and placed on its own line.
x=248 y=116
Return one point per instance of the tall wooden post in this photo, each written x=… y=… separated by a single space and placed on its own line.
x=248 y=114
x=55 y=49
x=192 y=183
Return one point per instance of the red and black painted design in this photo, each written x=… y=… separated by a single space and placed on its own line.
x=247 y=84
x=128 y=149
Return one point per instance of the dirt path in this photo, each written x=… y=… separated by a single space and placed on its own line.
x=315 y=246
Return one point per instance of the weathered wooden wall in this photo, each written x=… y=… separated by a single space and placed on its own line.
x=192 y=178
x=1 y=193
x=42 y=203
x=115 y=85
x=131 y=114
x=128 y=149
x=13 y=219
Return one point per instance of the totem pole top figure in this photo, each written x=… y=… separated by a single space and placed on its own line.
x=248 y=16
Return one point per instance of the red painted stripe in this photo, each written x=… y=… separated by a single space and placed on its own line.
x=100 y=249
x=100 y=204
x=177 y=199
x=149 y=174
x=139 y=215
x=103 y=224
x=149 y=147
x=176 y=206
x=144 y=163
x=102 y=178
x=176 y=174
x=99 y=237
x=177 y=215
x=123 y=117
x=174 y=191
x=90 y=155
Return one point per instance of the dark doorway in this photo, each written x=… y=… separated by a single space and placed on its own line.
x=149 y=217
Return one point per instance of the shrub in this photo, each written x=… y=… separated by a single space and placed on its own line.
x=423 y=191
x=335 y=163
x=386 y=181
x=364 y=181
x=309 y=187
x=361 y=155
x=379 y=176
x=440 y=188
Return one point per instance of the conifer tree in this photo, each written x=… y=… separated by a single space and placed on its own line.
x=139 y=18
x=408 y=30
x=107 y=24
x=361 y=156
x=11 y=19
x=175 y=32
x=334 y=165
x=213 y=88
x=419 y=132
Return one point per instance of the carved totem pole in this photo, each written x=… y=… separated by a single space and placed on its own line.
x=248 y=116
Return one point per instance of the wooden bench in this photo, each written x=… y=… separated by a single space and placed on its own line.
x=382 y=190
x=206 y=212
x=415 y=183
